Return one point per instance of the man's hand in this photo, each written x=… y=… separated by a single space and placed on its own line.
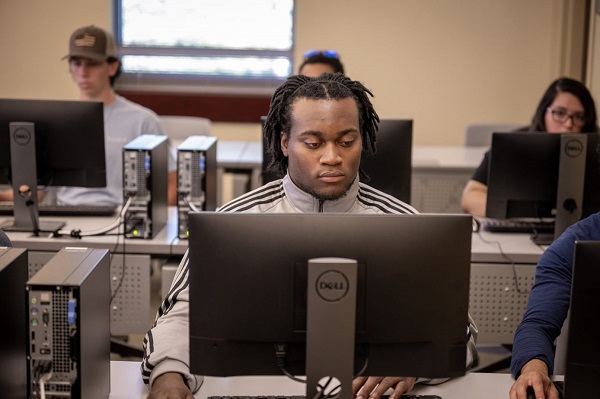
x=170 y=386
x=534 y=374
x=375 y=387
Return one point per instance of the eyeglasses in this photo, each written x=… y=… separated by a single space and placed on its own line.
x=562 y=116
x=326 y=53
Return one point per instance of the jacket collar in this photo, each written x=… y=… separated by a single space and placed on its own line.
x=305 y=202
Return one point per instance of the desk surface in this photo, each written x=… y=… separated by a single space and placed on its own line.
x=165 y=243
x=486 y=247
x=126 y=383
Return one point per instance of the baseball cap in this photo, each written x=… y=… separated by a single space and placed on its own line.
x=93 y=43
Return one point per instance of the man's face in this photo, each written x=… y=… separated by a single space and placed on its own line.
x=92 y=77
x=323 y=146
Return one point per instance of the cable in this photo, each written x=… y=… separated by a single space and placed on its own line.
x=509 y=259
x=123 y=269
x=115 y=224
x=190 y=204
x=280 y=354
x=45 y=377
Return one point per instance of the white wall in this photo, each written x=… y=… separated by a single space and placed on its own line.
x=444 y=63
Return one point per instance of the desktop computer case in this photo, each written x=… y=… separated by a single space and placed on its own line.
x=69 y=323
x=13 y=334
x=196 y=178
x=145 y=178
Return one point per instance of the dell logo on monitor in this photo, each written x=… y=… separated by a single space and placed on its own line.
x=332 y=286
x=573 y=148
x=22 y=136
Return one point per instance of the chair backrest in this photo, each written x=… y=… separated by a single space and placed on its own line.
x=178 y=128
x=480 y=134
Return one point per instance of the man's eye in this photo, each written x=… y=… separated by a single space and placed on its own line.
x=347 y=143
x=310 y=144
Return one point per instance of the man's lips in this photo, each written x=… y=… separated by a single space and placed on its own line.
x=331 y=177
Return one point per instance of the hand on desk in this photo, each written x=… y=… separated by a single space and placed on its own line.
x=375 y=387
x=534 y=374
x=170 y=386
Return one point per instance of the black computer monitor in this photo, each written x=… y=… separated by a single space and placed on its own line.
x=542 y=175
x=389 y=169
x=251 y=289
x=583 y=348
x=49 y=143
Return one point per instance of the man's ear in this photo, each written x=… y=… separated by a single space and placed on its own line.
x=284 y=143
x=113 y=67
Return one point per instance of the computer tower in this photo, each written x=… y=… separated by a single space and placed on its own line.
x=68 y=307
x=196 y=178
x=145 y=180
x=13 y=334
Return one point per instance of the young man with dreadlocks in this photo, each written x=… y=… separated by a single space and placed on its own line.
x=316 y=130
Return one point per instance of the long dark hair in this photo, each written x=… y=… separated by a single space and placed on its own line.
x=576 y=88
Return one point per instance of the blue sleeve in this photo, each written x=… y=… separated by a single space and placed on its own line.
x=550 y=297
x=4 y=240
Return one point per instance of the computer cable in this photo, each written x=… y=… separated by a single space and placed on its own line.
x=280 y=354
x=123 y=268
x=25 y=193
x=76 y=233
x=42 y=384
x=509 y=259
x=185 y=198
x=41 y=372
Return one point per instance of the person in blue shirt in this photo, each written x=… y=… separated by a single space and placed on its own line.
x=549 y=300
x=4 y=240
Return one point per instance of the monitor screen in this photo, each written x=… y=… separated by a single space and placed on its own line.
x=530 y=173
x=583 y=348
x=249 y=291
x=389 y=169
x=49 y=143
x=69 y=138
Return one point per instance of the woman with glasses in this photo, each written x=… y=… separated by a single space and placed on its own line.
x=317 y=62
x=566 y=107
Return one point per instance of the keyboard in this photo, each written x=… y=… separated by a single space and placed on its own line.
x=6 y=208
x=405 y=396
x=517 y=226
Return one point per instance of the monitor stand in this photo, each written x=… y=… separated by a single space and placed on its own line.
x=330 y=326
x=24 y=182
x=571 y=180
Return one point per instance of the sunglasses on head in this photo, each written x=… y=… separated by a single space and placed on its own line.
x=326 y=53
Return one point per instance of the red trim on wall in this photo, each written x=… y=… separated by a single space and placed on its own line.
x=214 y=107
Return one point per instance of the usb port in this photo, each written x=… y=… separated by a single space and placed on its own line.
x=44 y=351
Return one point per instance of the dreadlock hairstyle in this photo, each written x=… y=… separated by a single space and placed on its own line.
x=326 y=87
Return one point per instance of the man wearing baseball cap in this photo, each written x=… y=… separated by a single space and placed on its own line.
x=94 y=66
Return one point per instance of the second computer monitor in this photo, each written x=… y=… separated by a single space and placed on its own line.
x=49 y=143
x=543 y=175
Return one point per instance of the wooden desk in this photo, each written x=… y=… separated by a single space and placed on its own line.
x=126 y=383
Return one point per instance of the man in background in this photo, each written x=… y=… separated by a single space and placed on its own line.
x=317 y=62
x=94 y=66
